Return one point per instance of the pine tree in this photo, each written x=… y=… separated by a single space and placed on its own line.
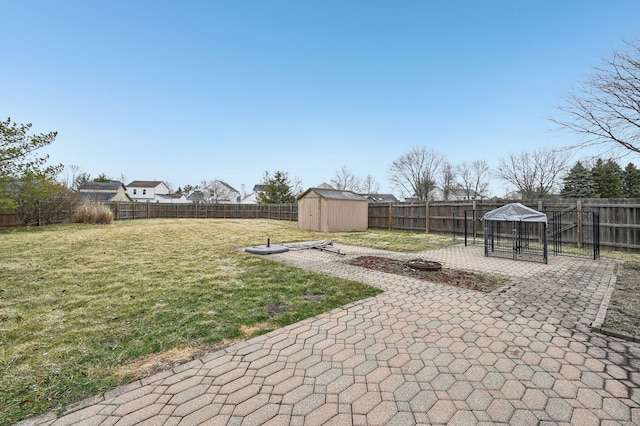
x=277 y=189
x=631 y=181
x=21 y=165
x=608 y=178
x=579 y=183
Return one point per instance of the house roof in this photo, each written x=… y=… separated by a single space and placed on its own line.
x=334 y=194
x=196 y=196
x=99 y=196
x=325 y=185
x=381 y=198
x=259 y=188
x=227 y=185
x=178 y=195
x=113 y=185
x=145 y=183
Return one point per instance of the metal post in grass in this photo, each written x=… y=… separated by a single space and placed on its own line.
x=546 y=232
x=426 y=218
x=474 y=206
x=486 y=241
x=514 y=240
x=465 y=228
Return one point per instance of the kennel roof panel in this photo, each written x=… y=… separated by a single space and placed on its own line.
x=515 y=212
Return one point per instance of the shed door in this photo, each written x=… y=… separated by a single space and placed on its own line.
x=314 y=211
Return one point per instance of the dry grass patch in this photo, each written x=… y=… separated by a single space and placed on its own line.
x=93 y=213
x=150 y=364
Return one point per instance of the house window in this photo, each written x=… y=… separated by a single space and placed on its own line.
x=144 y=192
x=134 y=191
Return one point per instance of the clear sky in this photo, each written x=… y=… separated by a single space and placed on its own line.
x=185 y=91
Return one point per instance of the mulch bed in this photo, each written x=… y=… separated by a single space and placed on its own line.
x=469 y=280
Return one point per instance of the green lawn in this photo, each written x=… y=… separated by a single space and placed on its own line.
x=84 y=309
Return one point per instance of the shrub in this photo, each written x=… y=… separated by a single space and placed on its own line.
x=92 y=213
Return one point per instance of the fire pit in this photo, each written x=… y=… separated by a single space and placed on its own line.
x=424 y=265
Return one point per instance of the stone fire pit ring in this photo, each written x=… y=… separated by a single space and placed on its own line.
x=424 y=265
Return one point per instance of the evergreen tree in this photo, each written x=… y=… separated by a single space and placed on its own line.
x=102 y=177
x=579 y=183
x=608 y=178
x=21 y=166
x=631 y=181
x=277 y=189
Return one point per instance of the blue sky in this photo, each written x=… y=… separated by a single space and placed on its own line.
x=184 y=91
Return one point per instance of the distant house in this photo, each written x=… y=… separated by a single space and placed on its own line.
x=172 y=198
x=195 y=197
x=147 y=191
x=457 y=194
x=380 y=198
x=253 y=197
x=225 y=193
x=103 y=191
x=219 y=192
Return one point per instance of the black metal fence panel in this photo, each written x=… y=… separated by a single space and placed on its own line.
x=571 y=232
x=516 y=240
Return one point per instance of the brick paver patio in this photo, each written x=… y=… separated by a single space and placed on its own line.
x=419 y=353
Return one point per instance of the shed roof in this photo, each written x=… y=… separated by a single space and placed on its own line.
x=334 y=194
x=515 y=212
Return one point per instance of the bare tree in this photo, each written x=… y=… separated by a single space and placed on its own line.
x=535 y=174
x=70 y=181
x=474 y=178
x=448 y=180
x=214 y=191
x=344 y=179
x=607 y=110
x=415 y=173
x=370 y=185
x=296 y=186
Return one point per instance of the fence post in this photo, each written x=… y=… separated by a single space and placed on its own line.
x=390 y=217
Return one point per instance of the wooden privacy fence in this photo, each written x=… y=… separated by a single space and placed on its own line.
x=9 y=220
x=132 y=211
x=619 y=218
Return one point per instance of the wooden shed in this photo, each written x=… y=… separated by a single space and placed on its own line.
x=332 y=210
